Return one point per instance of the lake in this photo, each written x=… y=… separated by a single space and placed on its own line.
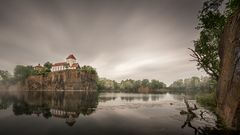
x=49 y=112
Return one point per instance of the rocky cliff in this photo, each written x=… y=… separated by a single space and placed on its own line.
x=62 y=80
x=228 y=92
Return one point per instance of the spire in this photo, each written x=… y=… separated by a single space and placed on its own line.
x=71 y=56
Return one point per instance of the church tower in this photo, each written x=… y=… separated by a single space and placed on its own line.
x=71 y=59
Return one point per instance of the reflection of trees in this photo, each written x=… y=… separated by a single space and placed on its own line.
x=139 y=98
x=128 y=99
x=5 y=101
x=155 y=97
x=20 y=108
x=145 y=98
x=67 y=105
x=105 y=99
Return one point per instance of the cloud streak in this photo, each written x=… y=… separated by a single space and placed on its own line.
x=122 y=39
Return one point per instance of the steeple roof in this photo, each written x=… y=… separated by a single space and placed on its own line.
x=71 y=56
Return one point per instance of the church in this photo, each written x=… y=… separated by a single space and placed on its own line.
x=69 y=64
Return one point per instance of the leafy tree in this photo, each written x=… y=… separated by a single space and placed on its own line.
x=4 y=75
x=88 y=69
x=137 y=84
x=100 y=84
x=211 y=25
x=128 y=85
x=145 y=82
x=22 y=72
x=106 y=84
x=48 y=66
x=194 y=84
x=156 y=84
x=231 y=7
x=177 y=84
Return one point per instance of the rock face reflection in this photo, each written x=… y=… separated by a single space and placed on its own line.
x=63 y=105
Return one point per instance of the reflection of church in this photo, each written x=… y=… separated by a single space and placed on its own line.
x=69 y=116
x=62 y=105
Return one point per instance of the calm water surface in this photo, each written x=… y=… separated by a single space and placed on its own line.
x=43 y=113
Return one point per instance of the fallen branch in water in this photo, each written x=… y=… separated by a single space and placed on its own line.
x=190 y=115
x=189 y=109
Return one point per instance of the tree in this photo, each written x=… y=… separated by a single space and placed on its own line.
x=145 y=82
x=4 y=75
x=177 y=84
x=22 y=72
x=88 y=69
x=232 y=6
x=156 y=84
x=211 y=25
x=48 y=66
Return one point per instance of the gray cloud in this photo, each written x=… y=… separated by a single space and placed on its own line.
x=121 y=38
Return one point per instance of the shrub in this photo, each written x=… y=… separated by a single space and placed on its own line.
x=88 y=69
x=207 y=100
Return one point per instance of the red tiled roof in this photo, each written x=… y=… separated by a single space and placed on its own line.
x=60 y=64
x=71 y=56
x=65 y=63
x=75 y=65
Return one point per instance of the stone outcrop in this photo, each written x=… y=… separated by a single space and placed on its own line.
x=62 y=80
x=228 y=91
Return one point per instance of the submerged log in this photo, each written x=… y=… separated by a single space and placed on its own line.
x=189 y=109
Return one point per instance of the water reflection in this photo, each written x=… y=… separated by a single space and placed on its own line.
x=63 y=105
x=104 y=113
x=126 y=97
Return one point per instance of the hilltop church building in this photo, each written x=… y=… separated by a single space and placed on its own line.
x=69 y=64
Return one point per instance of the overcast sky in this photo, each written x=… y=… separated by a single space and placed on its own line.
x=121 y=38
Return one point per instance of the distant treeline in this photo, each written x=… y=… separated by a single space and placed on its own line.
x=130 y=85
x=203 y=84
x=143 y=86
x=194 y=84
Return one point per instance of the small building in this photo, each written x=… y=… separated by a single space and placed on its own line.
x=69 y=64
x=38 y=67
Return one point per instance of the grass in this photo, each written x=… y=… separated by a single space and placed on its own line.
x=207 y=100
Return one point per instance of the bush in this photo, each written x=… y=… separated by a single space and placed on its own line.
x=88 y=69
x=207 y=100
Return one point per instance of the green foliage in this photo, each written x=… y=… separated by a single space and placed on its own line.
x=106 y=84
x=22 y=72
x=232 y=6
x=177 y=84
x=145 y=82
x=4 y=75
x=88 y=69
x=211 y=25
x=207 y=100
x=156 y=84
x=43 y=72
x=194 y=84
x=5 y=102
x=48 y=66
x=128 y=85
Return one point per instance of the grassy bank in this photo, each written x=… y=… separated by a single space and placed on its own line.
x=207 y=100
